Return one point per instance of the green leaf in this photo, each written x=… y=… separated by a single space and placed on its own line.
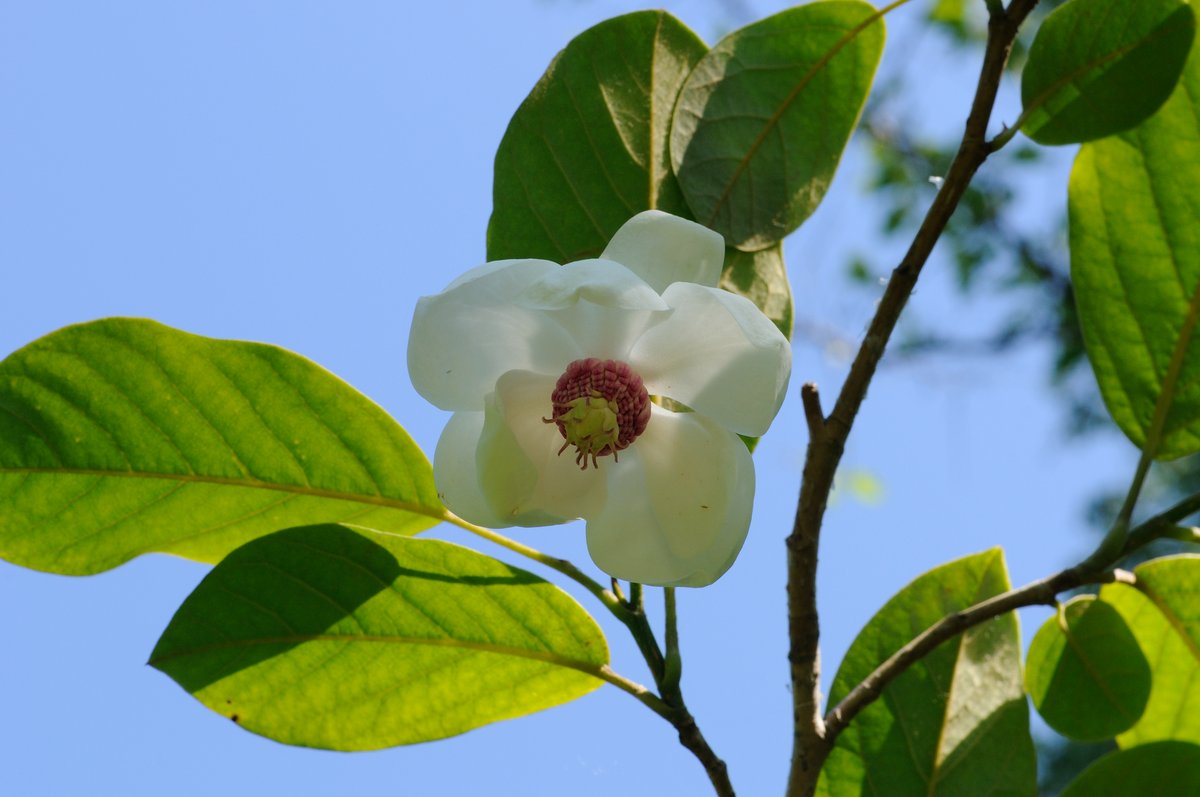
x=122 y=436
x=1085 y=672
x=1099 y=67
x=1135 y=263
x=956 y=722
x=1166 y=768
x=763 y=118
x=587 y=149
x=328 y=637
x=762 y=278
x=1164 y=615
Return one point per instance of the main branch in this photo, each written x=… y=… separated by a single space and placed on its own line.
x=828 y=436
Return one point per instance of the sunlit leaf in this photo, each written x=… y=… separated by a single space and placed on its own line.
x=324 y=636
x=1085 y=672
x=762 y=120
x=1135 y=262
x=123 y=436
x=1164 y=615
x=587 y=149
x=957 y=720
x=1099 y=67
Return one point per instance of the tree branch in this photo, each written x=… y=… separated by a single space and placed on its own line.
x=827 y=440
x=1044 y=591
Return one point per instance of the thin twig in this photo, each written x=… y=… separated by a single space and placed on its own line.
x=1044 y=591
x=669 y=703
x=827 y=440
x=611 y=601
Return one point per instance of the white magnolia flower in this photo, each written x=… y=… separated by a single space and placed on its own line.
x=537 y=359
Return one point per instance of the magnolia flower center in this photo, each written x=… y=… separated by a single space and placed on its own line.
x=600 y=407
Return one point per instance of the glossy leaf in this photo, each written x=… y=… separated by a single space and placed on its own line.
x=764 y=117
x=1164 y=615
x=1085 y=672
x=324 y=636
x=956 y=722
x=1135 y=264
x=1162 y=768
x=123 y=436
x=587 y=149
x=1099 y=67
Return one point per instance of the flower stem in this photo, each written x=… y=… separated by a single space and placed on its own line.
x=672 y=663
x=668 y=704
x=613 y=603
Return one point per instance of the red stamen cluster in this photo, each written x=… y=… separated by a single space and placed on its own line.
x=610 y=380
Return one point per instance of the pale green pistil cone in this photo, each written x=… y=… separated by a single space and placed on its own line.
x=590 y=424
x=600 y=407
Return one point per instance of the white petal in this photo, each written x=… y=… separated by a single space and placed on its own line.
x=465 y=337
x=679 y=504
x=662 y=249
x=718 y=354
x=455 y=471
x=602 y=306
x=521 y=474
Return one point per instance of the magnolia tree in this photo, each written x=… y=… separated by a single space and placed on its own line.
x=616 y=360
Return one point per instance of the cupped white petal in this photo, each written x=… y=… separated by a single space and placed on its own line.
x=679 y=504
x=663 y=249
x=465 y=337
x=456 y=474
x=600 y=305
x=600 y=282
x=718 y=354
x=521 y=474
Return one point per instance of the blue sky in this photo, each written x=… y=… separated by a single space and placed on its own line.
x=299 y=173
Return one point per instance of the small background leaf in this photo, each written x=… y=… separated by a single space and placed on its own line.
x=587 y=149
x=762 y=120
x=952 y=723
x=1162 y=768
x=1099 y=67
x=124 y=436
x=1165 y=619
x=327 y=637
x=1089 y=680
x=1135 y=264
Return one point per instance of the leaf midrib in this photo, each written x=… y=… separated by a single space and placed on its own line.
x=1086 y=661
x=1070 y=78
x=438 y=513
x=595 y=670
x=1173 y=619
x=805 y=79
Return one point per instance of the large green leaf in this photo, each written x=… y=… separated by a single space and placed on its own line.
x=324 y=636
x=587 y=149
x=123 y=436
x=1164 y=615
x=1135 y=261
x=1086 y=673
x=956 y=722
x=1170 y=769
x=1099 y=67
x=762 y=120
